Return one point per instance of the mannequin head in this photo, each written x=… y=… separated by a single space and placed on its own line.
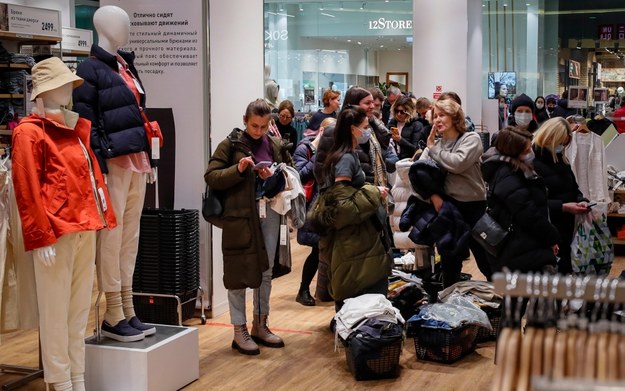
x=53 y=82
x=54 y=99
x=113 y=26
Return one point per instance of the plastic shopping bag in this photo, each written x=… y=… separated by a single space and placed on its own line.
x=591 y=250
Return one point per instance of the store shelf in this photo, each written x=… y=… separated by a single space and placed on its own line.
x=11 y=96
x=616 y=214
x=14 y=66
x=29 y=39
x=618 y=241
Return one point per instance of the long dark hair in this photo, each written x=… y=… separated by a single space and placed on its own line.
x=352 y=115
x=354 y=95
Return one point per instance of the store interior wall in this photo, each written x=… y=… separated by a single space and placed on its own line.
x=236 y=75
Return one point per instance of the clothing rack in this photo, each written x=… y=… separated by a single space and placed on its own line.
x=594 y=289
x=572 y=334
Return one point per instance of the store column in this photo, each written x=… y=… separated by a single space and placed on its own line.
x=447 y=51
x=236 y=78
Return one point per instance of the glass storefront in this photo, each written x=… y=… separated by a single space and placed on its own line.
x=313 y=46
x=537 y=47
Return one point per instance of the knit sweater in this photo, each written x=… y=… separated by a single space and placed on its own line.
x=461 y=159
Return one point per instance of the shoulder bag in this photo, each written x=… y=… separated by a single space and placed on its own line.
x=213 y=202
x=489 y=233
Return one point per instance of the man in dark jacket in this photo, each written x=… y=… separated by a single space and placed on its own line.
x=391 y=94
x=562 y=109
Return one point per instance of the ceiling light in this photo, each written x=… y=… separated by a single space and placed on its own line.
x=349 y=40
x=341 y=7
x=359 y=43
x=362 y=7
x=281 y=7
x=505 y=5
x=527 y=4
x=382 y=45
x=328 y=15
x=321 y=7
x=301 y=9
x=579 y=44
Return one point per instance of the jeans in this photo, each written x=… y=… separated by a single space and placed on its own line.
x=270 y=227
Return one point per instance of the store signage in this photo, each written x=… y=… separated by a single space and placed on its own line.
x=385 y=24
x=32 y=21
x=620 y=31
x=276 y=35
x=606 y=32
x=574 y=69
x=77 y=39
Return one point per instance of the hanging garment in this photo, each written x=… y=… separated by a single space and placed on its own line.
x=587 y=157
x=401 y=192
x=7 y=277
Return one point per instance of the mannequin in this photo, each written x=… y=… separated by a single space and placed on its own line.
x=61 y=208
x=118 y=138
x=272 y=89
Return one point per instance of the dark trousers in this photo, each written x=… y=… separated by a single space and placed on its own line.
x=451 y=267
x=310 y=268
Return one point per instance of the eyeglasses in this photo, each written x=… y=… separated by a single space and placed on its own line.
x=282 y=116
x=402 y=112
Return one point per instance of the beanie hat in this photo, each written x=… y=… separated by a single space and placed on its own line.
x=522 y=100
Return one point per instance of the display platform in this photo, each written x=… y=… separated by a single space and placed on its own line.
x=165 y=361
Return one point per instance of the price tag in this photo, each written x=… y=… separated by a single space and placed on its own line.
x=262 y=208
x=35 y=21
x=102 y=199
x=77 y=39
x=283 y=234
x=156 y=148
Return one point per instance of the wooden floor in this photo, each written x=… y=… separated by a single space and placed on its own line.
x=308 y=362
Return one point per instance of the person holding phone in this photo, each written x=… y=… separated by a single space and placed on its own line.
x=406 y=130
x=565 y=198
x=251 y=229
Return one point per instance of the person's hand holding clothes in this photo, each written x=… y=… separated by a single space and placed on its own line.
x=383 y=192
x=437 y=201
x=45 y=255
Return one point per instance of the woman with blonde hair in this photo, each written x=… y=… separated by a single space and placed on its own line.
x=565 y=198
x=458 y=152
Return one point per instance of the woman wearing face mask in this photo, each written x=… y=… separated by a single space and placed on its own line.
x=518 y=198
x=541 y=110
x=522 y=113
x=359 y=263
x=565 y=199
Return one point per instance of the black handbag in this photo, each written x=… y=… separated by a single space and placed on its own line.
x=212 y=206
x=490 y=234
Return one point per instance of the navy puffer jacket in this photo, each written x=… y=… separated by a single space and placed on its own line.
x=105 y=100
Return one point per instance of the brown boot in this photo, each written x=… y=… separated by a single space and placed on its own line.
x=243 y=342
x=262 y=335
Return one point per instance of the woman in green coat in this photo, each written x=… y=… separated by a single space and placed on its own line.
x=251 y=229
x=359 y=262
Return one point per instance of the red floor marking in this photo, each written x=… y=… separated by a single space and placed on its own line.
x=273 y=328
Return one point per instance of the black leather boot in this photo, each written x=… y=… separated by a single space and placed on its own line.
x=304 y=298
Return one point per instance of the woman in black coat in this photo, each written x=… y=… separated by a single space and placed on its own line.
x=517 y=198
x=565 y=199
x=406 y=130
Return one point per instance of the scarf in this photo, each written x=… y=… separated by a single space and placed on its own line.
x=379 y=168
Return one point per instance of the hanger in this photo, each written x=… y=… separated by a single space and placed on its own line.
x=550 y=334
x=527 y=342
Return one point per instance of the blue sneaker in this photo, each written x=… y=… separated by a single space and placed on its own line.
x=121 y=332
x=135 y=323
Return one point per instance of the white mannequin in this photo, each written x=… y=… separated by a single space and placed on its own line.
x=126 y=183
x=52 y=101
x=113 y=26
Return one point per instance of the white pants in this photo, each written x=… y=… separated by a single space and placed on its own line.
x=117 y=248
x=64 y=297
